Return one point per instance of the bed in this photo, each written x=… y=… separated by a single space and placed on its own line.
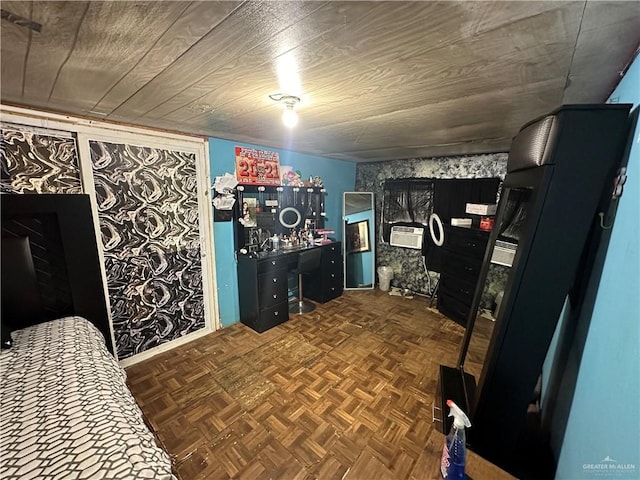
x=65 y=408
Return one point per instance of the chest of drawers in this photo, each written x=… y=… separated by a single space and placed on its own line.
x=262 y=286
x=463 y=252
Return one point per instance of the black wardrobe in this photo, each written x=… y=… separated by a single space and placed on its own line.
x=560 y=174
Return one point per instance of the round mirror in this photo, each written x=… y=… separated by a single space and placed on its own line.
x=290 y=217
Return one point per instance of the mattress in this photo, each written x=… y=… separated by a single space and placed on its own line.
x=67 y=412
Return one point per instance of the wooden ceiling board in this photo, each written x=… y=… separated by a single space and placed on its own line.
x=112 y=38
x=327 y=50
x=456 y=119
x=413 y=112
x=386 y=84
x=442 y=150
x=197 y=19
x=378 y=80
x=248 y=80
x=244 y=29
x=14 y=51
x=51 y=47
x=257 y=71
x=605 y=27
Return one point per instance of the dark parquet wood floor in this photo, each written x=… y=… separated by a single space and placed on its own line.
x=345 y=391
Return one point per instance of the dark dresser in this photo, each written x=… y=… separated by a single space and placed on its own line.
x=262 y=285
x=327 y=283
x=462 y=255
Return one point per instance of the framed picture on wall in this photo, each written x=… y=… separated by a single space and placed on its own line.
x=358 y=237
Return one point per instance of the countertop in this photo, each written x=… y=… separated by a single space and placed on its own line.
x=287 y=250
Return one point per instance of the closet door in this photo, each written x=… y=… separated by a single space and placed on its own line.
x=147 y=202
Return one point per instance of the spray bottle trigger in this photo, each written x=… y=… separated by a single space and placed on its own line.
x=460 y=420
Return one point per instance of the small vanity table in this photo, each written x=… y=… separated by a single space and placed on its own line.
x=263 y=283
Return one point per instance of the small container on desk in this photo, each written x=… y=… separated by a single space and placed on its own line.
x=325 y=232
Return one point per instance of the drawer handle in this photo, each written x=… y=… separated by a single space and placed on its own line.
x=273 y=262
x=468 y=269
x=275 y=295
x=333 y=261
x=473 y=244
x=333 y=289
x=433 y=413
x=275 y=314
x=333 y=275
x=275 y=280
x=466 y=292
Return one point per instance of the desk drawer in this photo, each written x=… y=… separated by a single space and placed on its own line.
x=332 y=251
x=333 y=275
x=272 y=316
x=332 y=290
x=272 y=288
x=273 y=263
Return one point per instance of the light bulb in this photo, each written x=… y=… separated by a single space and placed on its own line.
x=289 y=117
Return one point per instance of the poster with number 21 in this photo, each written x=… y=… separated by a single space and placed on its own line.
x=257 y=167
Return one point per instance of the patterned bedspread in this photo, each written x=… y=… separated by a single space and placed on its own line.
x=66 y=412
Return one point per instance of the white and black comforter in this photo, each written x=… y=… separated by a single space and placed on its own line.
x=66 y=412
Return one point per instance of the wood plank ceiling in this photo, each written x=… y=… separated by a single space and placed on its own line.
x=377 y=80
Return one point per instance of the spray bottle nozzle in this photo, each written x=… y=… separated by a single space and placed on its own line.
x=460 y=420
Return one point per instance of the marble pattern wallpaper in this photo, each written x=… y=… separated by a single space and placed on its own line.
x=410 y=269
x=148 y=212
x=38 y=163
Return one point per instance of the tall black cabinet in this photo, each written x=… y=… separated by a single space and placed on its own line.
x=560 y=168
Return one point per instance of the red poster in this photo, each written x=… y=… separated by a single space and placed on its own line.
x=257 y=167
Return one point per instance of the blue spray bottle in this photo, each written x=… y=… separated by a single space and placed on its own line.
x=454 y=453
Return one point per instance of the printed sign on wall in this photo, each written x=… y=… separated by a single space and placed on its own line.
x=257 y=167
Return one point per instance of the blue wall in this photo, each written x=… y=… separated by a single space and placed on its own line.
x=338 y=177
x=604 y=415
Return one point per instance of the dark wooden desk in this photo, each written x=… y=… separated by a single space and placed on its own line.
x=263 y=283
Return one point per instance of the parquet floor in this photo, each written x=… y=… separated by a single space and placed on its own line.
x=345 y=391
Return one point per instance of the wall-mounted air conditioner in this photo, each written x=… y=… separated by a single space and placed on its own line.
x=504 y=253
x=407 y=237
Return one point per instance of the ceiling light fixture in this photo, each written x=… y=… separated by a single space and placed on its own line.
x=289 y=116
